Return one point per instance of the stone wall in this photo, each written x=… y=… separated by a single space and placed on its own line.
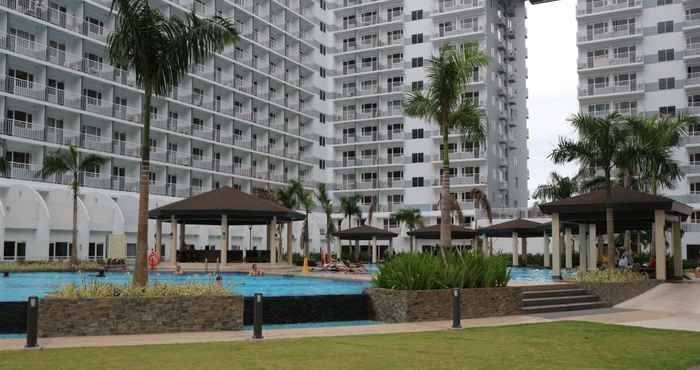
x=13 y=317
x=427 y=305
x=615 y=293
x=313 y=308
x=110 y=316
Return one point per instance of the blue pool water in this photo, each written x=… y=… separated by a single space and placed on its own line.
x=534 y=275
x=19 y=286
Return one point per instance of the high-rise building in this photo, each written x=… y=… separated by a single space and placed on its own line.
x=313 y=91
x=641 y=58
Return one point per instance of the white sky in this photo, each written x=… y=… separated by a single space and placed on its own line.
x=552 y=83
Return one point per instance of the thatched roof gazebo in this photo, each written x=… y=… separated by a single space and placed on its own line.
x=224 y=206
x=369 y=233
x=518 y=228
x=627 y=210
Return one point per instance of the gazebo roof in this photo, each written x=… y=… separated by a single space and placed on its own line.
x=547 y=227
x=433 y=232
x=365 y=232
x=240 y=208
x=524 y=228
x=631 y=209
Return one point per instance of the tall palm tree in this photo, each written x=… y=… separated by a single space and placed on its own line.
x=159 y=50
x=412 y=218
x=63 y=161
x=559 y=187
x=350 y=206
x=443 y=103
x=288 y=198
x=327 y=205
x=481 y=202
x=603 y=144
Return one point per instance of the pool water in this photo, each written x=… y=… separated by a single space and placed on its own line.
x=534 y=275
x=21 y=285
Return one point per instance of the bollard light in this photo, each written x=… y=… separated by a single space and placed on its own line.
x=456 y=315
x=257 y=316
x=32 y=322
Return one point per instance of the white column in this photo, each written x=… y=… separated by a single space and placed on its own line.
x=677 y=253
x=224 y=238
x=547 y=259
x=582 y=248
x=274 y=245
x=515 y=249
x=556 y=247
x=159 y=236
x=569 y=248
x=173 y=239
x=485 y=247
x=339 y=254
x=374 y=249
x=660 y=244
x=628 y=242
x=592 y=248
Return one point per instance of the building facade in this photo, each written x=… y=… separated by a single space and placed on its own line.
x=642 y=57
x=313 y=91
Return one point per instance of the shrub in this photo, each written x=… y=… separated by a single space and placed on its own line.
x=98 y=289
x=610 y=276
x=49 y=266
x=421 y=271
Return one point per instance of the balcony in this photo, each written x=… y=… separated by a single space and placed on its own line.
x=692 y=168
x=692 y=21
x=25 y=171
x=606 y=62
x=446 y=32
x=377 y=136
x=27 y=130
x=367 y=161
x=362 y=22
x=598 y=7
x=348 y=47
x=616 y=33
x=463 y=180
x=628 y=112
x=349 y=116
x=607 y=89
x=457 y=5
x=476 y=154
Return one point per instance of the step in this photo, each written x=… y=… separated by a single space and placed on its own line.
x=563 y=307
x=554 y=293
x=589 y=298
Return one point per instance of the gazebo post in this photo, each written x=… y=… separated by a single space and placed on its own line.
x=660 y=243
x=485 y=246
x=592 y=248
x=677 y=253
x=610 y=233
x=374 y=249
x=224 y=239
x=273 y=241
x=523 y=243
x=628 y=242
x=159 y=236
x=556 y=247
x=173 y=239
x=357 y=250
x=391 y=246
x=569 y=248
x=515 y=249
x=340 y=249
x=547 y=260
x=582 y=248
x=181 y=235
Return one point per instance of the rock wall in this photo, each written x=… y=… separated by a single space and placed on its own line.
x=112 y=316
x=615 y=293
x=427 y=305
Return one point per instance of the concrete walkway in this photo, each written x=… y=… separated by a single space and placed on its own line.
x=668 y=306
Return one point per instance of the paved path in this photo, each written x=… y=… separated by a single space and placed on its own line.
x=668 y=306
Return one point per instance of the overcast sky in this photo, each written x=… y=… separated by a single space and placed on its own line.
x=552 y=83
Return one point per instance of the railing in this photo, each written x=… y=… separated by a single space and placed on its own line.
x=463 y=180
x=618 y=31
x=595 y=7
x=596 y=62
x=460 y=155
x=443 y=32
x=603 y=89
x=28 y=130
x=451 y=5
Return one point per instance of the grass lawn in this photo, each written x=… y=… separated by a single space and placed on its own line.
x=559 y=345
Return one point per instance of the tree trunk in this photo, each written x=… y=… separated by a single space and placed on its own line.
x=74 y=247
x=329 y=223
x=290 y=243
x=140 y=267
x=445 y=232
x=306 y=236
x=610 y=228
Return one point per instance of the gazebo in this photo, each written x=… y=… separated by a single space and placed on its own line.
x=568 y=243
x=433 y=232
x=630 y=210
x=365 y=232
x=226 y=207
x=518 y=228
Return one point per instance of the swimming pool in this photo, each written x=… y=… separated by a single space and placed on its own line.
x=21 y=285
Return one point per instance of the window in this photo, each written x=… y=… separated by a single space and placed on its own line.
x=417 y=38
x=322 y=95
x=322 y=164
x=416 y=15
x=695 y=188
x=59 y=250
x=667 y=83
x=96 y=251
x=663 y=2
x=322 y=49
x=322 y=72
x=417 y=62
x=418 y=182
x=417 y=157
x=12 y=251
x=664 y=27
x=322 y=117
x=322 y=4
x=417 y=85
x=322 y=140
x=322 y=26
x=417 y=133
x=666 y=55
x=669 y=111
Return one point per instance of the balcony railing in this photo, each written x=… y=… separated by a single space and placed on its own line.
x=604 y=89
x=458 y=31
x=595 y=7
x=618 y=31
x=598 y=62
x=452 y=5
x=463 y=180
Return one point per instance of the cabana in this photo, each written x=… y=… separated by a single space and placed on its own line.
x=630 y=210
x=518 y=228
x=433 y=233
x=566 y=243
x=366 y=232
x=226 y=207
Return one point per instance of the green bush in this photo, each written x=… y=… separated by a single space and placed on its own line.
x=49 y=266
x=98 y=289
x=610 y=276
x=422 y=271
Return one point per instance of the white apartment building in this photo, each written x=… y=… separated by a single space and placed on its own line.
x=641 y=57
x=312 y=91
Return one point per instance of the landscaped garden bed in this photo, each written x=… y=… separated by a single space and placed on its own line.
x=51 y=266
x=615 y=286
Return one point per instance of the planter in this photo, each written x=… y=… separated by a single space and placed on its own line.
x=697 y=272
x=429 y=305
x=112 y=316
x=616 y=293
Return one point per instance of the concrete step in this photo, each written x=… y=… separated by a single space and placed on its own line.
x=534 y=302
x=553 y=293
x=563 y=307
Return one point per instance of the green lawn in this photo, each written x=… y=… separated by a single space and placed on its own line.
x=559 y=345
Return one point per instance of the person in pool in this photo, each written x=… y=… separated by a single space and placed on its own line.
x=254 y=271
x=178 y=269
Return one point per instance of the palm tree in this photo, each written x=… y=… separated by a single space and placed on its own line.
x=559 y=187
x=62 y=161
x=603 y=144
x=481 y=202
x=412 y=218
x=306 y=200
x=288 y=198
x=327 y=205
x=159 y=50
x=350 y=206
x=448 y=75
